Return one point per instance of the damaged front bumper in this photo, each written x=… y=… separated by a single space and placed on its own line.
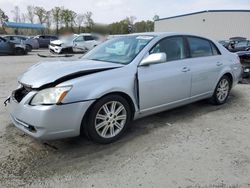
x=47 y=122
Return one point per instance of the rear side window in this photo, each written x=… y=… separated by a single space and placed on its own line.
x=199 y=47
x=173 y=46
x=87 y=38
x=53 y=37
x=215 y=49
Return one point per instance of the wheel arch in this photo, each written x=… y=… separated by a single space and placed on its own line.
x=122 y=94
x=223 y=73
x=230 y=76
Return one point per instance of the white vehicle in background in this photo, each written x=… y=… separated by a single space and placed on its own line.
x=74 y=43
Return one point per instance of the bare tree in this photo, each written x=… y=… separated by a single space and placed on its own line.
x=23 y=17
x=40 y=12
x=48 y=20
x=31 y=14
x=88 y=20
x=79 y=21
x=16 y=12
x=131 y=20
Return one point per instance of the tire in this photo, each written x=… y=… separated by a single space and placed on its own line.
x=29 y=48
x=222 y=91
x=19 y=51
x=107 y=119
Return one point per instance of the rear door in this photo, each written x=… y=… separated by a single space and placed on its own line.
x=42 y=41
x=5 y=46
x=205 y=63
x=165 y=83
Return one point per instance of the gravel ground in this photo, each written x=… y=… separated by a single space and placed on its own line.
x=198 y=145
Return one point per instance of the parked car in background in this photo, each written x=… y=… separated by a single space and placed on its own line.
x=224 y=43
x=31 y=43
x=122 y=79
x=11 y=48
x=44 y=40
x=240 y=46
x=75 y=43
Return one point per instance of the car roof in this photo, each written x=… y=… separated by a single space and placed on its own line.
x=85 y=34
x=167 y=34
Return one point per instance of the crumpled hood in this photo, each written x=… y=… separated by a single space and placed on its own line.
x=62 y=42
x=57 y=42
x=53 y=73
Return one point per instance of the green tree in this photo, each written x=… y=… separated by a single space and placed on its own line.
x=40 y=12
x=56 y=13
x=3 y=18
x=68 y=18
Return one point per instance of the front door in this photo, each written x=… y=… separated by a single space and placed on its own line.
x=165 y=83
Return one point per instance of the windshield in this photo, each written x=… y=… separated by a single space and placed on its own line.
x=120 y=50
x=68 y=38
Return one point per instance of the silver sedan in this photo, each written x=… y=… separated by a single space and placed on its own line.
x=123 y=79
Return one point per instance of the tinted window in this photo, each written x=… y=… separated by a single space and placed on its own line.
x=53 y=37
x=86 y=38
x=199 y=47
x=241 y=44
x=173 y=46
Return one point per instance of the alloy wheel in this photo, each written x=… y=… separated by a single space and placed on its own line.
x=110 y=119
x=223 y=90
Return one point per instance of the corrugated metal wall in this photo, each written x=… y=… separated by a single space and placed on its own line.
x=217 y=25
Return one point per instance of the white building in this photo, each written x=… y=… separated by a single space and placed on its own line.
x=216 y=24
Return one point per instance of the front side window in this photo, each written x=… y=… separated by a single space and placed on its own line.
x=173 y=47
x=199 y=47
x=79 y=39
x=120 y=50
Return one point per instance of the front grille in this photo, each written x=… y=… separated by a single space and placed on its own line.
x=20 y=93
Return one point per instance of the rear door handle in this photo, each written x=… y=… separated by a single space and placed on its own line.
x=185 y=69
x=219 y=63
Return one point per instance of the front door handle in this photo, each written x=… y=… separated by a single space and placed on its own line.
x=219 y=64
x=185 y=69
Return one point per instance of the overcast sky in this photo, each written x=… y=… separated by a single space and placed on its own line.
x=107 y=11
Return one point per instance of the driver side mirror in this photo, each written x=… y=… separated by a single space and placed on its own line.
x=154 y=59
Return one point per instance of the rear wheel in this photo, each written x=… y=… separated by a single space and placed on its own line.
x=222 y=91
x=108 y=119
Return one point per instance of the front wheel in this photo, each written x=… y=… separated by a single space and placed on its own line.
x=29 y=48
x=222 y=91
x=108 y=119
x=19 y=51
